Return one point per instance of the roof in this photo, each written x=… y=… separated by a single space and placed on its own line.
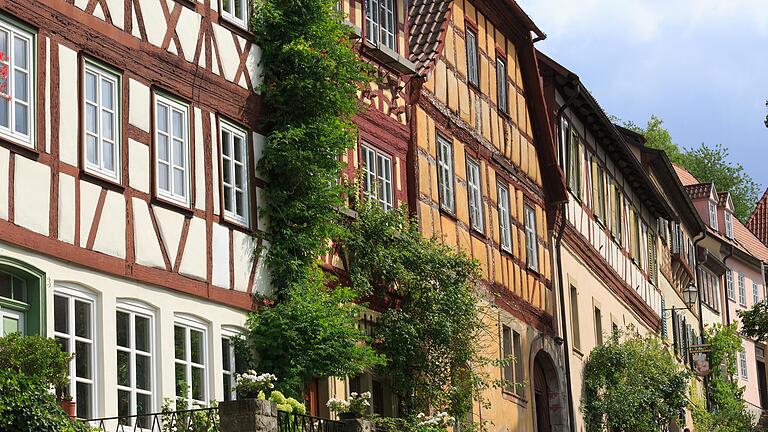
x=700 y=190
x=722 y=198
x=686 y=178
x=749 y=241
x=758 y=220
x=427 y=23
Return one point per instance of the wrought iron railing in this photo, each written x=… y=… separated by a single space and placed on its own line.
x=289 y=422
x=191 y=420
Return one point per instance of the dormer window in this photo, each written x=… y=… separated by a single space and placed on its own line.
x=712 y=215
x=728 y=224
x=380 y=22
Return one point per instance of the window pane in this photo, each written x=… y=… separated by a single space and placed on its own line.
x=82 y=319
x=20 y=53
x=63 y=343
x=238 y=144
x=143 y=372
x=91 y=149
x=22 y=115
x=179 y=187
x=60 y=314
x=109 y=156
x=228 y=198
x=83 y=399
x=6 y=284
x=178 y=131
x=225 y=355
x=226 y=5
x=4 y=111
x=162 y=148
x=82 y=359
x=162 y=175
x=90 y=87
x=239 y=175
x=181 y=379
x=227 y=172
x=239 y=9
x=90 y=118
x=227 y=379
x=196 y=343
x=123 y=368
x=198 y=392
x=20 y=86
x=107 y=88
x=123 y=329
x=107 y=125
x=4 y=42
x=162 y=118
x=225 y=143
x=239 y=203
x=178 y=153
x=180 y=342
x=10 y=325
x=124 y=404
x=142 y=333
x=144 y=406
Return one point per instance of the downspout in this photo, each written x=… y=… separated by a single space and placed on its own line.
x=701 y=313
x=558 y=250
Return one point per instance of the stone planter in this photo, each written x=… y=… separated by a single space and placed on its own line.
x=348 y=416
x=248 y=415
x=356 y=424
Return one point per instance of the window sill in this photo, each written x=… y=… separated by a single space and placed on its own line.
x=237 y=225
x=101 y=180
x=172 y=205
x=445 y=212
x=235 y=27
x=578 y=352
x=19 y=147
x=389 y=58
x=514 y=397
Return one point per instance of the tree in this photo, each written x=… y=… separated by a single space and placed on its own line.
x=754 y=322
x=728 y=411
x=706 y=163
x=632 y=383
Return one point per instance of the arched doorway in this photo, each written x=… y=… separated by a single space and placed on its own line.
x=546 y=394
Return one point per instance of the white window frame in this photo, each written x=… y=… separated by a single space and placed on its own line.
x=231 y=190
x=102 y=74
x=445 y=174
x=473 y=57
x=134 y=309
x=505 y=228
x=742 y=290
x=743 y=364
x=73 y=294
x=712 y=214
x=380 y=23
x=230 y=370
x=501 y=85
x=475 y=196
x=230 y=13
x=172 y=106
x=189 y=323
x=16 y=31
x=531 y=242
x=378 y=173
x=729 y=285
x=755 y=293
x=728 y=224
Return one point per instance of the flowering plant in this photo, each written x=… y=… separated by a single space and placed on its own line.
x=440 y=420
x=250 y=384
x=356 y=404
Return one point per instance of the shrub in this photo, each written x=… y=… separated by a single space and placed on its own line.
x=35 y=356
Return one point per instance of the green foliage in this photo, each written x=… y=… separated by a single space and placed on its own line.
x=311 y=80
x=430 y=338
x=35 y=356
x=180 y=415
x=26 y=404
x=728 y=411
x=312 y=332
x=632 y=383
x=754 y=322
x=706 y=163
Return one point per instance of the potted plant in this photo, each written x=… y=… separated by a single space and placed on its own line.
x=65 y=400
x=250 y=385
x=355 y=407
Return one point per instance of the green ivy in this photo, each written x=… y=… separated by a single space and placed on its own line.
x=430 y=336
x=632 y=383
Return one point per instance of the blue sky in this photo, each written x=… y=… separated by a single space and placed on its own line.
x=700 y=65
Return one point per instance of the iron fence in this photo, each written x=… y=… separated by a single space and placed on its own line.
x=289 y=422
x=191 y=420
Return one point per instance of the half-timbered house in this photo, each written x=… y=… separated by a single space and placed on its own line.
x=127 y=192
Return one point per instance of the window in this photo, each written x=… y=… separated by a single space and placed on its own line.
x=575 y=318
x=728 y=224
x=513 y=354
x=135 y=363
x=101 y=121
x=601 y=193
x=377 y=177
x=729 y=284
x=565 y=132
x=475 y=195
x=473 y=55
x=232 y=363
x=16 y=110
x=191 y=354
x=743 y=364
x=73 y=325
x=380 y=22
x=712 y=215
x=13 y=304
x=531 y=244
x=505 y=231
x=501 y=84
x=235 y=11
x=445 y=174
x=618 y=227
x=598 y=326
x=742 y=290
x=574 y=164
x=172 y=150
x=234 y=173
x=755 y=294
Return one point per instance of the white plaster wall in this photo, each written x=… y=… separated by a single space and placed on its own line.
x=67 y=208
x=165 y=303
x=170 y=224
x=110 y=236
x=138 y=106
x=188 y=29
x=116 y=11
x=89 y=199
x=138 y=166
x=4 y=158
x=193 y=263
x=32 y=190
x=243 y=249
x=227 y=51
x=68 y=115
x=147 y=247
x=154 y=20
x=220 y=255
